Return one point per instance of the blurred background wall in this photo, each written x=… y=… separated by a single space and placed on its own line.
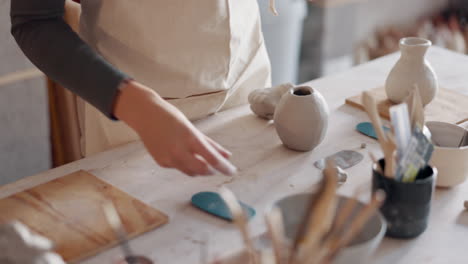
x=24 y=125
x=334 y=32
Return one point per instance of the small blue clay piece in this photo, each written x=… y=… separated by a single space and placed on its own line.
x=213 y=204
x=367 y=129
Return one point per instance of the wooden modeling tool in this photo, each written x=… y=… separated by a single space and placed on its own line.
x=416 y=108
x=370 y=106
x=275 y=228
x=356 y=225
x=411 y=107
x=390 y=161
x=388 y=146
x=376 y=162
x=240 y=220
x=320 y=220
x=113 y=218
x=344 y=215
x=273 y=7
x=301 y=232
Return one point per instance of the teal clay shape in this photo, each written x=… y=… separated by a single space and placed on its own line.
x=213 y=204
x=367 y=129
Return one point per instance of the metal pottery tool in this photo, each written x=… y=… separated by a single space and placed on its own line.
x=416 y=156
x=116 y=224
x=401 y=124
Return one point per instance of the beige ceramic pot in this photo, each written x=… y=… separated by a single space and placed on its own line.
x=450 y=160
x=412 y=69
x=301 y=118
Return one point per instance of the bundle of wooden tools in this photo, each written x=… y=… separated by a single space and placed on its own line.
x=406 y=147
x=324 y=230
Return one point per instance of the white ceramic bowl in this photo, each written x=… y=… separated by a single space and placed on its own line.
x=450 y=160
x=360 y=249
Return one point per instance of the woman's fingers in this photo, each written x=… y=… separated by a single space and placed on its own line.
x=226 y=153
x=213 y=157
x=192 y=165
x=170 y=138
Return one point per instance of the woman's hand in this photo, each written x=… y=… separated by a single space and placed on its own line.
x=168 y=135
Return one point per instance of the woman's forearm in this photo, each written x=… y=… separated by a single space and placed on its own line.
x=72 y=14
x=41 y=32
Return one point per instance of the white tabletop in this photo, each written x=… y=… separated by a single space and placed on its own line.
x=268 y=171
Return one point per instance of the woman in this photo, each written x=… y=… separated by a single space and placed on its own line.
x=153 y=64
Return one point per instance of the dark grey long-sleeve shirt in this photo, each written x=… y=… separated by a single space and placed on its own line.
x=49 y=42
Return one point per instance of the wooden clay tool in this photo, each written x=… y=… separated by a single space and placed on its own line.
x=273 y=7
x=390 y=156
x=114 y=220
x=275 y=228
x=320 y=216
x=417 y=109
x=376 y=162
x=388 y=145
x=240 y=221
x=341 y=240
x=343 y=216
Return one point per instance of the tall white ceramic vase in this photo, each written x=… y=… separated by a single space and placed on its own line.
x=412 y=69
x=301 y=118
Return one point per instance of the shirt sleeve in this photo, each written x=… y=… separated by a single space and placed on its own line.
x=46 y=39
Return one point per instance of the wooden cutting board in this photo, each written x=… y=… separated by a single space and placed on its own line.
x=69 y=212
x=448 y=106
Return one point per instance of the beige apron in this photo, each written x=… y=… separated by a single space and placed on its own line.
x=202 y=56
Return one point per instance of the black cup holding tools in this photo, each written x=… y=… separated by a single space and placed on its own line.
x=408 y=204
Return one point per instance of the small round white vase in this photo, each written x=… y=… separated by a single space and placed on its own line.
x=301 y=118
x=411 y=70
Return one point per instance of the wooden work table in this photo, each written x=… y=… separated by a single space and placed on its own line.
x=268 y=171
